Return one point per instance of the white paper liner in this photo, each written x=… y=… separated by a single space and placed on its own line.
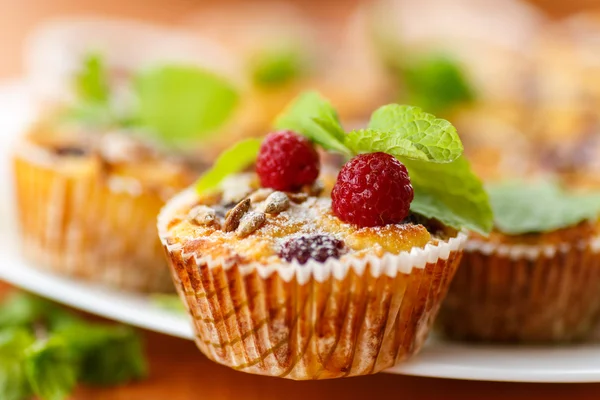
x=389 y=264
x=524 y=293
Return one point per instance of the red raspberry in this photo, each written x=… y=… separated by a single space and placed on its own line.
x=287 y=161
x=372 y=190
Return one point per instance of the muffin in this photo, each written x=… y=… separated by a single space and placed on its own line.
x=282 y=279
x=85 y=214
x=93 y=173
x=536 y=277
x=464 y=55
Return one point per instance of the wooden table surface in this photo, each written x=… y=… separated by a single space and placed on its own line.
x=178 y=371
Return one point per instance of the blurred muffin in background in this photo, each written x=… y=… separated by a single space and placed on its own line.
x=459 y=53
x=565 y=118
x=583 y=30
x=283 y=51
x=535 y=278
x=114 y=140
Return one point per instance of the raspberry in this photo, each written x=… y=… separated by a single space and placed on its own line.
x=287 y=161
x=317 y=247
x=372 y=190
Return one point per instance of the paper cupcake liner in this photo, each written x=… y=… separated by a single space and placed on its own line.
x=314 y=321
x=74 y=223
x=521 y=293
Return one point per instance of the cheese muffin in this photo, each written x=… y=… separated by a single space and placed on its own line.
x=104 y=156
x=87 y=206
x=535 y=278
x=278 y=285
x=284 y=277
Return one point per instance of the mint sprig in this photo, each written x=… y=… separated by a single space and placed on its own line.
x=445 y=187
x=278 y=65
x=181 y=103
x=437 y=83
x=175 y=104
x=51 y=369
x=45 y=350
x=235 y=159
x=450 y=193
x=314 y=117
x=91 y=81
x=541 y=206
x=13 y=379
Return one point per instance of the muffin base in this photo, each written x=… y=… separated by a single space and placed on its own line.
x=524 y=294
x=73 y=223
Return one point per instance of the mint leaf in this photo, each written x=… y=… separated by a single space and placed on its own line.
x=235 y=159
x=24 y=310
x=91 y=82
x=21 y=310
x=13 y=379
x=535 y=207
x=107 y=354
x=314 y=117
x=179 y=103
x=370 y=141
x=435 y=138
x=92 y=104
x=437 y=83
x=277 y=66
x=51 y=369
x=450 y=193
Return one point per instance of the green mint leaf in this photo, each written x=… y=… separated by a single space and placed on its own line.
x=435 y=138
x=235 y=159
x=314 y=117
x=536 y=207
x=169 y=302
x=13 y=379
x=92 y=105
x=91 y=82
x=180 y=104
x=107 y=354
x=370 y=141
x=21 y=310
x=51 y=369
x=437 y=84
x=277 y=66
x=450 y=193
x=24 y=310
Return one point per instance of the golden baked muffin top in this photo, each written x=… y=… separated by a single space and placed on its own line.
x=115 y=157
x=252 y=224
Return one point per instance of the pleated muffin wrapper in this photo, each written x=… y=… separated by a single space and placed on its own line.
x=340 y=318
x=75 y=222
x=524 y=293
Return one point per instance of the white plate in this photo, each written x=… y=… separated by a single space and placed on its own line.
x=441 y=359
